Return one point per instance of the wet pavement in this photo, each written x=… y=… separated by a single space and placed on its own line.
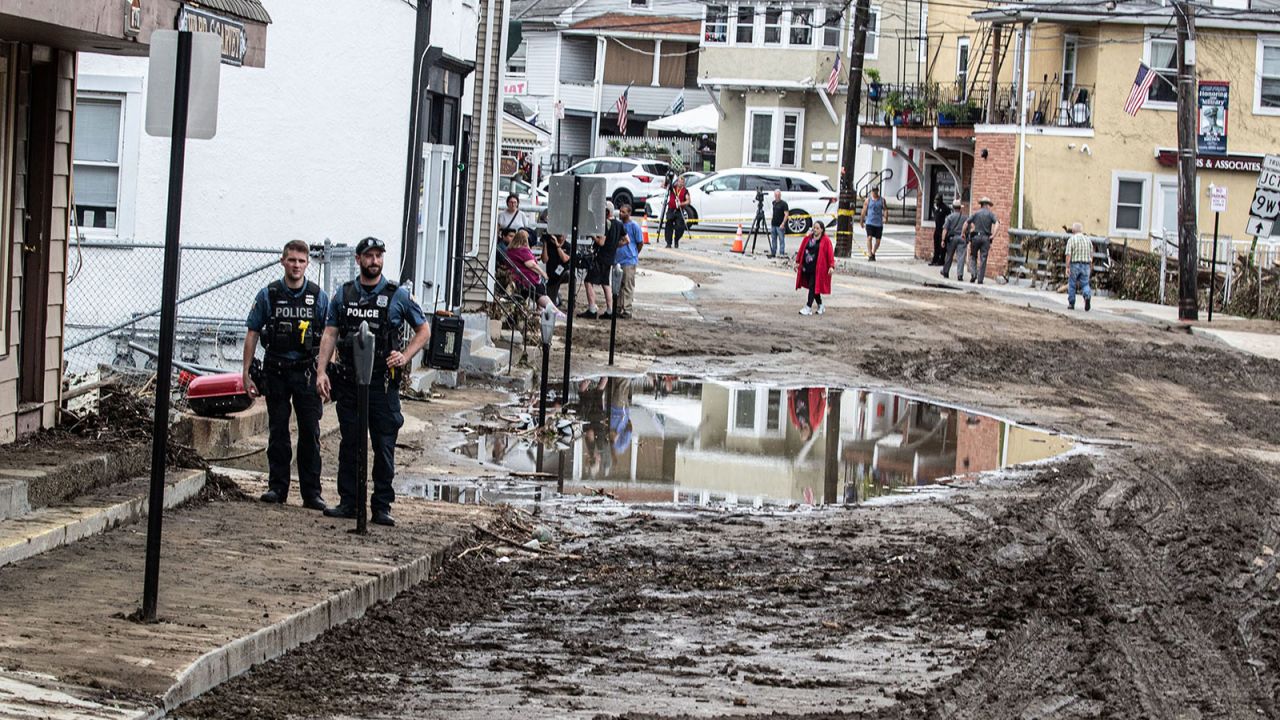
x=668 y=439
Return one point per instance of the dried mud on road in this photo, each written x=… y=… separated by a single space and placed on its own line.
x=1137 y=579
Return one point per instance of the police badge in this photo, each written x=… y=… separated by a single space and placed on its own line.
x=382 y=301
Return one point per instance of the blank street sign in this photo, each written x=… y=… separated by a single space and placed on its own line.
x=206 y=64
x=590 y=206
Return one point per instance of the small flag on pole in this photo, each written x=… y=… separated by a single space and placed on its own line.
x=833 y=80
x=1141 y=86
x=621 y=107
x=677 y=105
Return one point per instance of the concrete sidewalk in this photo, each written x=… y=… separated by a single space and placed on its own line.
x=241 y=583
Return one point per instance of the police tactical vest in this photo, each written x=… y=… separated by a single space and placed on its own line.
x=292 y=320
x=358 y=307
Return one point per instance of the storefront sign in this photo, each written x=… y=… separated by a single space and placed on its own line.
x=235 y=41
x=1211 y=138
x=1228 y=163
x=515 y=87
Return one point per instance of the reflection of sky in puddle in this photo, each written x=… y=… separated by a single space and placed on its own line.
x=659 y=438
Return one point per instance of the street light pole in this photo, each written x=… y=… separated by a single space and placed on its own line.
x=853 y=104
x=1188 y=265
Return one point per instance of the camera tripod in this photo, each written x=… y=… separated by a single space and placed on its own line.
x=758 y=224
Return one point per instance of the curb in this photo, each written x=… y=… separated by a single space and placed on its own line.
x=187 y=484
x=236 y=657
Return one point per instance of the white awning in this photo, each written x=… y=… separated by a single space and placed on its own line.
x=702 y=120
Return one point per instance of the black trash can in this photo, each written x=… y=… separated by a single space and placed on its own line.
x=445 y=350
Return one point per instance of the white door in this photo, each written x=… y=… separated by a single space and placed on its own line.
x=434 y=234
x=1164 y=220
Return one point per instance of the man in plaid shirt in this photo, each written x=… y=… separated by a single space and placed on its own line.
x=1079 y=265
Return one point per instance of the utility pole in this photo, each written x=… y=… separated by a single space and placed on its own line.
x=853 y=104
x=1188 y=231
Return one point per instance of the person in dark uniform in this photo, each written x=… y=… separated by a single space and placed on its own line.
x=287 y=316
x=387 y=308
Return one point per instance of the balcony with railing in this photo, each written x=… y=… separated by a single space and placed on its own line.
x=955 y=104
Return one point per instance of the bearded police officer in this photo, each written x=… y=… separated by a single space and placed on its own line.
x=289 y=316
x=387 y=308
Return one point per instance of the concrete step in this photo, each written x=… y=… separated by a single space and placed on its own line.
x=13 y=498
x=488 y=360
x=92 y=513
x=421 y=380
x=509 y=339
x=474 y=340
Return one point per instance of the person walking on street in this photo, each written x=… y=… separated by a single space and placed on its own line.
x=555 y=259
x=598 y=274
x=778 y=226
x=1080 y=266
x=628 y=258
x=953 y=235
x=677 y=201
x=287 y=316
x=387 y=308
x=815 y=264
x=873 y=222
x=978 y=229
x=940 y=212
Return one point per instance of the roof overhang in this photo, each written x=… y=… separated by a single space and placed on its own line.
x=1154 y=15
x=102 y=26
x=626 y=35
x=755 y=84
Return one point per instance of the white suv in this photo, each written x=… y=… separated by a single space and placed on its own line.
x=627 y=180
x=727 y=198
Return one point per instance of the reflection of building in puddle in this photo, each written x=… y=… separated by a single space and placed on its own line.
x=659 y=438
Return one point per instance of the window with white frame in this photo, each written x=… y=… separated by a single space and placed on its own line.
x=106 y=131
x=1267 y=86
x=1161 y=56
x=1130 y=203
x=775 y=137
x=873 y=34
x=773 y=25
x=924 y=33
x=1070 y=50
x=715 y=26
x=99 y=141
x=801 y=27
x=832 y=19
x=744 y=25
x=639 y=4
x=962 y=66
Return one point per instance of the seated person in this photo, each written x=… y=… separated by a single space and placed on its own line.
x=530 y=278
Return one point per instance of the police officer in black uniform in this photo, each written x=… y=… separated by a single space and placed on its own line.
x=387 y=308
x=289 y=316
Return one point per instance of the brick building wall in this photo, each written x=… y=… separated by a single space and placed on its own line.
x=995 y=177
x=977 y=443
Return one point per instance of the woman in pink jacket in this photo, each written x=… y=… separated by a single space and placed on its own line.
x=815 y=264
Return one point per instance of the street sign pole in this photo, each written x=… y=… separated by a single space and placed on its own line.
x=168 y=319
x=573 y=289
x=1213 y=265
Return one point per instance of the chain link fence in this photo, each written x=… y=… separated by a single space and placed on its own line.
x=113 y=300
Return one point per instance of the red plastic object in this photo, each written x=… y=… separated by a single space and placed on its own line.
x=212 y=395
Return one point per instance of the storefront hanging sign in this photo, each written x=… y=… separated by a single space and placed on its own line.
x=1212 y=134
x=1230 y=163
x=234 y=39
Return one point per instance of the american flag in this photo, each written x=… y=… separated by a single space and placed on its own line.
x=833 y=80
x=621 y=107
x=1138 y=93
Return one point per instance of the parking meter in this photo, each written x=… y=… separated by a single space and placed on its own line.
x=547 y=320
x=362 y=350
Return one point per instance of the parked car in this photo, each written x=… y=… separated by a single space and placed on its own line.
x=627 y=180
x=727 y=197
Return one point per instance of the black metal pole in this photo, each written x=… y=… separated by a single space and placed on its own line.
x=362 y=460
x=542 y=392
x=573 y=291
x=168 y=319
x=831 y=467
x=1213 y=265
x=852 y=108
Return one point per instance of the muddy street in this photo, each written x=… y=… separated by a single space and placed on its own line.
x=1133 y=577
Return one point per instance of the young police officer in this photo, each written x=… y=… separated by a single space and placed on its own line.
x=387 y=308
x=289 y=315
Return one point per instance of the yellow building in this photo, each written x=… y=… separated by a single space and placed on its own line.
x=1086 y=160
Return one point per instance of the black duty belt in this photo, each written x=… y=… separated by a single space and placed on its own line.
x=285 y=365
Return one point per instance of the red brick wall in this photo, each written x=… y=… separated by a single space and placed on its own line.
x=993 y=177
x=977 y=442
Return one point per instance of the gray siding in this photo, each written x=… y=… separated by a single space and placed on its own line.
x=540 y=60
x=575 y=137
x=578 y=59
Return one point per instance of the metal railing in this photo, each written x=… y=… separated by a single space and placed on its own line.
x=113 y=303
x=1039 y=257
x=954 y=104
x=1049 y=104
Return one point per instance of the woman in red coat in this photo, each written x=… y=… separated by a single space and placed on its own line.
x=815 y=264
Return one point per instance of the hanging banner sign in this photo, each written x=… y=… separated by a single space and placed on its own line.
x=235 y=41
x=1211 y=138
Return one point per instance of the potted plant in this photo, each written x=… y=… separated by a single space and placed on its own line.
x=913 y=112
x=894 y=105
x=874 y=88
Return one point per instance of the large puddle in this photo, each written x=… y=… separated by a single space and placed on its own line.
x=663 y=439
